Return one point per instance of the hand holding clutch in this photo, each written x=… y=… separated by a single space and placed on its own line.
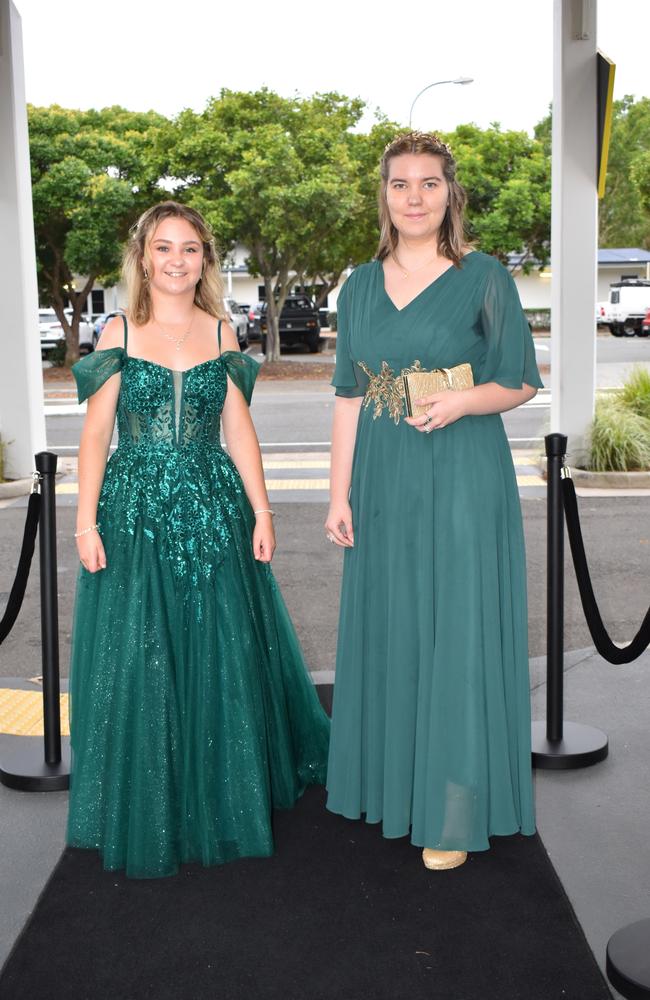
x=425 y=383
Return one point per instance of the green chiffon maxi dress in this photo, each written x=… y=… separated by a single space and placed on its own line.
x=192 y=713
x=431 y=714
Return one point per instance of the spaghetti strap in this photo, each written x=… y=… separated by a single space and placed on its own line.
x=126 y=330
x=219 y=336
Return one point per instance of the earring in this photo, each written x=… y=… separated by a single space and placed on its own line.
x=146 y=274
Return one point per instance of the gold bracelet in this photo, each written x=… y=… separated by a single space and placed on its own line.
x=266 y=510
x=86 y=531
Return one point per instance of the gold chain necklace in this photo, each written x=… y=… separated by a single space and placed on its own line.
x=412 y=270
x=179 y=341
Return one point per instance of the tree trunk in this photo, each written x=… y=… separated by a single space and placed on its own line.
x=272 y=321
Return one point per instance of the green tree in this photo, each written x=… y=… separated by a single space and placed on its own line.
x=354 y=238
x=507 y=176
x=279 y=175
x=624 y=217
x=92 y=173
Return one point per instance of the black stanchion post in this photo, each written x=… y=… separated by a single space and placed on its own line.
x=555 y=451
x=558 y=744
x=46 y=465
x=25 y=764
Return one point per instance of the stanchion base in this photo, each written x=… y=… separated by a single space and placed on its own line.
x=580 y=746
x=628 y=960
x=22 y=765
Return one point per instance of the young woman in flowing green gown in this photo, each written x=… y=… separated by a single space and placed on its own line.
x=192 y=713
x=431 y=716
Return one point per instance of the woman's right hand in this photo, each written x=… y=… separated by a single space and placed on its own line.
x=338 y=525
x=91 y=551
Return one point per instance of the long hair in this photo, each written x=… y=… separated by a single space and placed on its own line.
x=208 y=294
x=451 y=236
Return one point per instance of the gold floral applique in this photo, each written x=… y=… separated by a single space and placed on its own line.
x=385 y=389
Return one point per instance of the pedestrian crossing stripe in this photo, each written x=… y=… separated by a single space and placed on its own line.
x=523 y=479
x=286 y=461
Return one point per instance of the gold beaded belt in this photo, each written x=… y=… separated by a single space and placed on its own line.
x=397 y=392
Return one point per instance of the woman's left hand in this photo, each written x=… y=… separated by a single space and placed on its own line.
x=442 y=408
x=263 y=538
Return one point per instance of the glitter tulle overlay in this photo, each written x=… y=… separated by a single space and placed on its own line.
x=192 y=713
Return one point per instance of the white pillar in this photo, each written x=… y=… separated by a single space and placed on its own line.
x=22 y=420
x=574 y=221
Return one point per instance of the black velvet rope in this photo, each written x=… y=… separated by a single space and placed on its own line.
x=602 y=641
x=17 y=594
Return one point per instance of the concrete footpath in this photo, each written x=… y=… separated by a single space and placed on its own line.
x=593 y=822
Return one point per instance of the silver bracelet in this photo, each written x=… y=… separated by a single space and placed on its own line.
x=86 y=531
x=267 y=510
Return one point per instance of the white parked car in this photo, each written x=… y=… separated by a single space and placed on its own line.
x=628 y=302
x=602 y=313
x=52 y=334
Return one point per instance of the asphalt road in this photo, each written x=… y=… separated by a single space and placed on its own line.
x=308 y=568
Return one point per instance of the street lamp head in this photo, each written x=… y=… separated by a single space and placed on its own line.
x=463 y=80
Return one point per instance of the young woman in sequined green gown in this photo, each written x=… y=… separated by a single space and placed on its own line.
x=431 y=715
x=192 y=713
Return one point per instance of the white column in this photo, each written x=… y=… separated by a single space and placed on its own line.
x=22 y=420
x=574 y=221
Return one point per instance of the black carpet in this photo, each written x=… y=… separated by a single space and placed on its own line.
x=339 y=912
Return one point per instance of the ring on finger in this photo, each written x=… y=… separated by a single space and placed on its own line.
x=330 y=537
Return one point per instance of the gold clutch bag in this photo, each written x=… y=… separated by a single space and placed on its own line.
x=422 y=383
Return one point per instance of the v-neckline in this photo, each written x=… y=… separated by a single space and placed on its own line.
x=426 y=288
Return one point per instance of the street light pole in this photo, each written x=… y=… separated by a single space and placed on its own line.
x=460 y=79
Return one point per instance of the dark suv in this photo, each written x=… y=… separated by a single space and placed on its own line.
x=299 y=324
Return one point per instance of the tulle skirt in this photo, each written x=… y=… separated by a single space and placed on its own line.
x=192 y=713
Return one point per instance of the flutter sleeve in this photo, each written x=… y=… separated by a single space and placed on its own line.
x=243 y=370
x=348 y=379
x=91 y=372
x=510 y=359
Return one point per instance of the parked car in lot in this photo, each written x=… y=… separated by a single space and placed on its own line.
x=629 y=301
x=100 y=323
x=51 y=331
x=299 y=324
x=238 y=321
x=645 y=326
x=254 y=319
x=602 y=313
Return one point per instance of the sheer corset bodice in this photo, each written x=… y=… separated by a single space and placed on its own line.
x=169 y=473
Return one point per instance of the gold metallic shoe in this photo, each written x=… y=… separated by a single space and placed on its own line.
x=439 y=860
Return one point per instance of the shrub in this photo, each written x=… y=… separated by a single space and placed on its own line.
x=620 y=438
x=635 y=393
x=331 y=320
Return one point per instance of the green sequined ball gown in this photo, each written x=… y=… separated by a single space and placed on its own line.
x=431 y=715
x=192 y=713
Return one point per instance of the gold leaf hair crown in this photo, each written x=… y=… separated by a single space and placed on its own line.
x=415 y=136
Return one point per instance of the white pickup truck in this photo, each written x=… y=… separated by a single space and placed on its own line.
x=627 y=306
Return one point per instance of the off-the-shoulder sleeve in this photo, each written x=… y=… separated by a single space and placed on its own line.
x=348 y=379
x=243 y=370
x=510 y=359
x=92 y=371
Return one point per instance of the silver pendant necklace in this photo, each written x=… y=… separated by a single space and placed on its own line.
x=179 y=341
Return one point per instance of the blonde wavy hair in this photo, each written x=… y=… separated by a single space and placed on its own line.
x=209 y=291
x=452 y=237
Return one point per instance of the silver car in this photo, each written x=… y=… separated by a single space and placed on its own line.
x=238 y=320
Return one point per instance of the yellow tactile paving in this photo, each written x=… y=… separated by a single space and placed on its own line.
x=525 y=464
x=21 y=713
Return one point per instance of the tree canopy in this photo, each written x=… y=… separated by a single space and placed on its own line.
x=283 y=176
x=295 y=181
x=92 y=173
